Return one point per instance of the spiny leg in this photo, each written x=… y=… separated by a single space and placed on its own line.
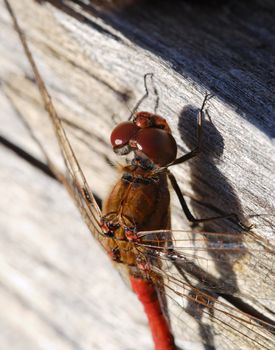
x=197 y=149
x=156 y=94
x=194 y=220
x=146 y=95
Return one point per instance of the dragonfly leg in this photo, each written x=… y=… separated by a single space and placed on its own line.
x=146 y=95
x=194 y=220
x=197 y=149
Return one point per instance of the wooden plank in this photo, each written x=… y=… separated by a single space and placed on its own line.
x=93 y=62
x=55 y=280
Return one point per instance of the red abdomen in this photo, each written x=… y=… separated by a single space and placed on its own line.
x=158 y=322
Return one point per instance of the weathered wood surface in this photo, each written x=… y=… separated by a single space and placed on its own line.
x=93 y=63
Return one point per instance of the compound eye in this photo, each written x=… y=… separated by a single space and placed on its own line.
x=158 y=145
x=122 y=134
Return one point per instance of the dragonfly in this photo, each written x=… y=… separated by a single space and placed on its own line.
x=168 y=269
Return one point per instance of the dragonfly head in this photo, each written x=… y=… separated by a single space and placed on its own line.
x=147 y=134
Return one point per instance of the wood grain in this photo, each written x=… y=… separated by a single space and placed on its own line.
x=93 y=61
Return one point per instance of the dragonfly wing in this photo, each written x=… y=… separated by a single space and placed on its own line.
x=201 y=270
x=76 y=184
x=220 y=261
x=213 y=315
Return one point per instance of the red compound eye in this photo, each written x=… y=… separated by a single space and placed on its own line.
x=158 y=145
x=123 y=133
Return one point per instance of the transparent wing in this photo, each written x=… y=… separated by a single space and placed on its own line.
x=221 y=261
x=76 y=183
x=224 y=282
x=210 y=309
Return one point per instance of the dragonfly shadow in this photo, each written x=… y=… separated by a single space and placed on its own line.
x=214 y=193
x=214 y=196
